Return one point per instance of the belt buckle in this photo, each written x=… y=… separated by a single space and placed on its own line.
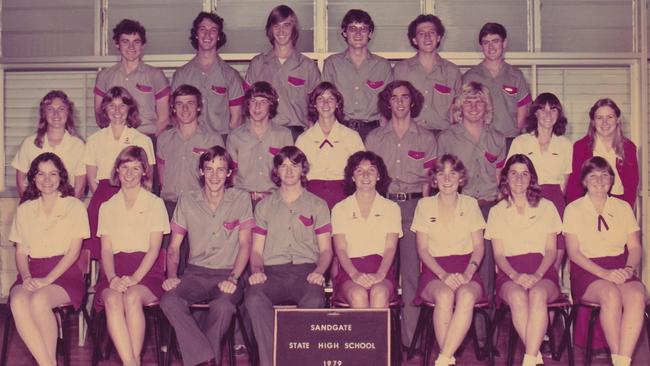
x=401 y=197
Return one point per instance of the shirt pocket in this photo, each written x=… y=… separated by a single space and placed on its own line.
x=509 y=90
x=442 y=89
x=296 y=81
x=273 y=151
x=416 y=155
x=198 y=151
x=144 y=88
x=375 y=84
x=219 y=90
x=306 y=221
x=491 y=158
x=230 y=226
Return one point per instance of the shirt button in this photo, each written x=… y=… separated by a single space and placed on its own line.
x=356 y=88
x=426 y=92
x=259 y=158
x=397 y=161
x=398 y=145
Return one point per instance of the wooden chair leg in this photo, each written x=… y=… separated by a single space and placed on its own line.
x=590 y=334
x=512 y=343
x=647 y=323
x=417 y=334
x=248 y=342
x=9 y=323
x=429 y=341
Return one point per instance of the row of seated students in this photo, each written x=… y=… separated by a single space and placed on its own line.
x=288 y=244
x=406 y=140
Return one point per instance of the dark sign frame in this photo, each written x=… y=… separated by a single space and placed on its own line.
x=331 y=337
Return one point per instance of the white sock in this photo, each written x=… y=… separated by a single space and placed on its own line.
x=529 y=360
x=442 y=360
x=539 y=359
x=452 y=360
x=615 y=359
x=621 y=360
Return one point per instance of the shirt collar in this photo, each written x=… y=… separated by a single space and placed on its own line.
x=64 y=140
x=57 y=211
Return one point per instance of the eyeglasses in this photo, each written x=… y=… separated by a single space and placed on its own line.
x=354 y=29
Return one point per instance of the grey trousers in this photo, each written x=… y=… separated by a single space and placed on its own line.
x=284 y=283
x=200 y=341
x=409 y=268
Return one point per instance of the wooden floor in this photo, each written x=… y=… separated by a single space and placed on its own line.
x=19 y=356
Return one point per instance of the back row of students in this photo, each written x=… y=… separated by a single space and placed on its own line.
x=358 y=74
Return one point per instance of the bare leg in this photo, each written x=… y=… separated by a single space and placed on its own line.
x=116 y=321
x=538 y=298
x=355 y=295
x=42 y=302
x=440 y=294
x=27 y=326
x=461 y=320
x=380 y=294
x=134 y=299
x=608 y=296
x=633 y=295
x=517 y=297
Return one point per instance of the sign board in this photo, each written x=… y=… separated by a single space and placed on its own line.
x=331 y=337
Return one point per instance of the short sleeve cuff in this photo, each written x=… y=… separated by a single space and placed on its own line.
x=246 y=223
x=327 y=228
x=98 y=92
x=178 y=229
x=236 y=102
x=259 y=230
x=163 y=93
x=525 y=101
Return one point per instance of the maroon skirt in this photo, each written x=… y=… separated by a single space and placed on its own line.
x=102 y=194
x=553 y=193
x=331 y=191
x=581 y=279
x=125 y=265
x=367 y=264
x=451 y=264
x=527 y=263
x=71 y=280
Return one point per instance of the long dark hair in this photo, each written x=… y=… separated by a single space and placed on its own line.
x=533 y=192
x=353 y=162
x=542 y=100
x=32 y=192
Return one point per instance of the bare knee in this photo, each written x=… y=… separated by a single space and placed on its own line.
x=132 y=300
x=537 y=297
x=517 y=299
x=610 y=298
x=19 y=300
x=40 y=301
x=113 y=301
x=634 y=297
x=379 y=293
x=358 y=295
x=445 y=298
x=465 y=297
